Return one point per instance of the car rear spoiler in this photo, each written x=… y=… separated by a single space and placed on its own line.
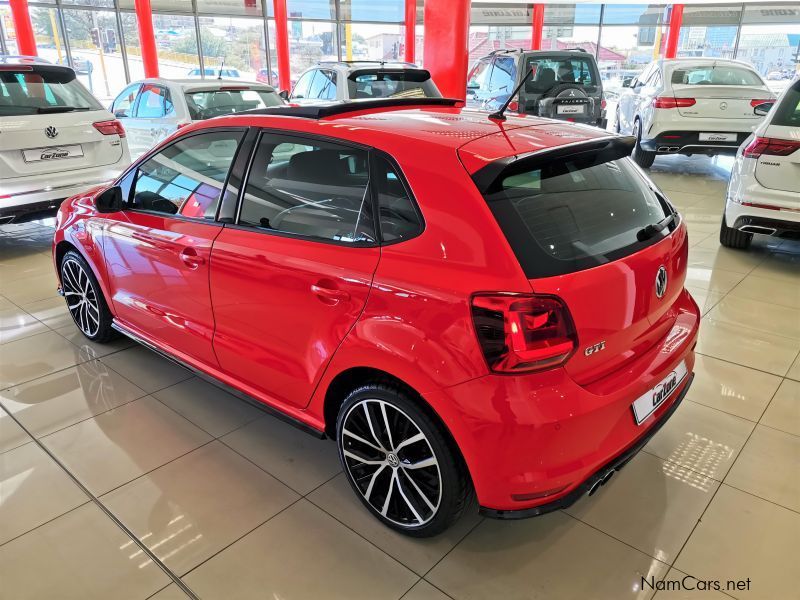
x=597 y=151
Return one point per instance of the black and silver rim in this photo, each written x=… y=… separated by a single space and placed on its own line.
x=81 y=297
x=391 y=462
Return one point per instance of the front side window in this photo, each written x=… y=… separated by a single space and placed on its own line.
x=715 y=75
x=313 y=189
x=303 y=84
x=503 y=75
x=123 y=105
x=152 y=102
x=479 y=77
x=186 y=177
x=324 y=86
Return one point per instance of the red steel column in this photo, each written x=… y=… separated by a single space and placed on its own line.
x=446 y=55
x=282 y=44
x=26 y=42
x=147 y=38
x=538 y=26
x=411 y=29
x=675 y=21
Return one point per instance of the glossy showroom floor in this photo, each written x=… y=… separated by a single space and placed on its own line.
x=237 y=504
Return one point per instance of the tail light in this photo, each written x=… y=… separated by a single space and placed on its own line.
x=523 y=333
x=603 y=103
x=513 y=105
x=670 y=102
x=770 y=147
x=113 y=127
x=755 y=102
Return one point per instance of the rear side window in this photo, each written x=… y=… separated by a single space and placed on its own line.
x=574 y=214
x=398 y=216
x=715 y=75
x=787 y=113
x=314 y=189
x=406 y=83
x=41 y=90
x=214 y=103
x=552 y=71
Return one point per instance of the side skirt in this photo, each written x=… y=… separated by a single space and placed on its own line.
x=220 y=384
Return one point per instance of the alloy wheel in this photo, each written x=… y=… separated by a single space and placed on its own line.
x=391 y=462
x=81 y=297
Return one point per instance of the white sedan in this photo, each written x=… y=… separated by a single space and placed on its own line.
x=691 y=106
x=152 y=109
x=764 y=189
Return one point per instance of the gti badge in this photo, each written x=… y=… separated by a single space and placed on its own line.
x=51 y=132
x=595 y=348
x=661 y=282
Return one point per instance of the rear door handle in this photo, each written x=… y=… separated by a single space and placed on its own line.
x=331 y=295
x=190 y=257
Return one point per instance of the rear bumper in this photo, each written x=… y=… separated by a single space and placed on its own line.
x=688 y=142
x=774 y=220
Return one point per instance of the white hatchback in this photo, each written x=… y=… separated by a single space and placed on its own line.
x=152 y=109
x=691 y=106
x=764 y=189
x=56 y=140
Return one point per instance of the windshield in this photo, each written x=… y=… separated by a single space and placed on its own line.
x=213 y=103
x=715 y=75
x=408 y=83
x=33 y=90
x=550 y=71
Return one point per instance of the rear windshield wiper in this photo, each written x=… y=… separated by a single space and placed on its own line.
x=654 y=228
x=58 y=109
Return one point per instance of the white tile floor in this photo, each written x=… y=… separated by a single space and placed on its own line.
x=236 y=504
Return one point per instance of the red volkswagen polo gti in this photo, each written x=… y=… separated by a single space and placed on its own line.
x=462 y=303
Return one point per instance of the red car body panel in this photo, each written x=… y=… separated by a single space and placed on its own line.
x=279 y=318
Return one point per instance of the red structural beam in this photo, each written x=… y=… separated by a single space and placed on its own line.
x=675 y=20
x=147 y=37
x=411 y=30
x=26 y=41
x=282 y=44
x=538 y=26
x=446 y=55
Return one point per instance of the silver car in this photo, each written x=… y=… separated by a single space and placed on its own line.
x=152 y=109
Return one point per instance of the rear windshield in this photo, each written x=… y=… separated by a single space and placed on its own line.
x=42 y=90
x=787 y=113
x=715 y=75
x=550 y=71
x=408 y=83
x=213 y=103
x=574 y=214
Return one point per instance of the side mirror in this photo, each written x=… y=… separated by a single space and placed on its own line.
x=121 y=113
x=762 y=109
x=109 y=201
x=284 y=94
x=627 y=82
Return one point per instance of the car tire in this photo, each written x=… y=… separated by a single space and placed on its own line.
x=374 y=425
x=641 y=157
x=84 y=297
x=733 y=238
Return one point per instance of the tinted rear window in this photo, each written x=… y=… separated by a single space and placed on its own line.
x=205 y=105
x=408 y=83
x=43 y=90
x=787 y=113
x=715 y=75
x=575 y=214
x=552 y=70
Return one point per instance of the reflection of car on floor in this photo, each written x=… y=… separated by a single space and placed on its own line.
x=55 y=139
x=397 y=275
x=362 y=79
x=152 y=109
x=565 y=84
x=691 y=106
x=764 y=190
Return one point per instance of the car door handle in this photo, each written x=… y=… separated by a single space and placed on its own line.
x=329 y=294
x=190 y=257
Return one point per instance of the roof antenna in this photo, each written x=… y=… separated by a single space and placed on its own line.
x=498 y=115
x=221 y=66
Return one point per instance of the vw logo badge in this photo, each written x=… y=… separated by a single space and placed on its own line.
x=51 y=132
x=661 y=282
x=723 y=106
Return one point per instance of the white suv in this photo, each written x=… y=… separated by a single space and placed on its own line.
x=691 y=106
x=764 y=189
x=56 y=140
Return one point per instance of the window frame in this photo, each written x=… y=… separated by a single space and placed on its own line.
x=373 y=167
x=134 y=169
x=139 y=99
x=138 y=87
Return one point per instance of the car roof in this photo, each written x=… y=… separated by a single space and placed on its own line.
x=198 y=85
x=353 y=65
x=23 y=60
x=703 y=60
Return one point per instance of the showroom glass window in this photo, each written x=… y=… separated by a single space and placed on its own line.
x=186 y=177
x=309 y=188
x=769 y=39
x=709 y=30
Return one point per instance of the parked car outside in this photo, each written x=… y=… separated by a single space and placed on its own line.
x=152 y=109
x=264 y=75
x=764 y=189
x=56 y=139
x=691 y=106
x=565 y=84
x=81 y=64
x=462 y=304
x=359 y=80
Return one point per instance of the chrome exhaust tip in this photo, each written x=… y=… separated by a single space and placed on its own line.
x=758 y=229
